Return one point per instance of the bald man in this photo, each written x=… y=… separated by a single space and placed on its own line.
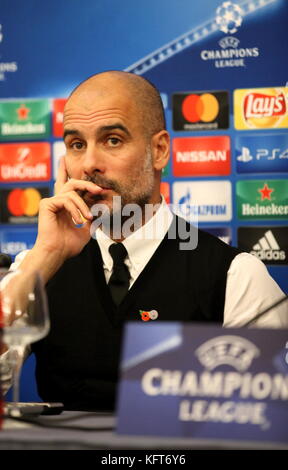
x=116 y=148
x=116 y=144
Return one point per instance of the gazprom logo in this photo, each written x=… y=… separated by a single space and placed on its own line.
x=207 y=201
x=229 y=350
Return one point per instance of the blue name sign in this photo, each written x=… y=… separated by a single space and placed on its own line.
x=199 y=381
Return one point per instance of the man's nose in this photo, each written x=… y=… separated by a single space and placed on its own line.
x=93 y=161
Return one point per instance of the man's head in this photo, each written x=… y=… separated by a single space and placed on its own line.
x=146 y=96
x=114 y=131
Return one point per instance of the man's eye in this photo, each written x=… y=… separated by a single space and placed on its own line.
x=113 y=141
x=76 y=145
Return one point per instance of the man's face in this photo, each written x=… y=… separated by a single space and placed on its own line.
x=106 y=144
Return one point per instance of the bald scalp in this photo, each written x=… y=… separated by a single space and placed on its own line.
x=144 y=94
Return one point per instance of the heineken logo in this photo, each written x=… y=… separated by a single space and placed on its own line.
x=262 y=199
x=25 y=118
x=23 y=112
x=266 y=192
x=20 y=129
x=258 y=210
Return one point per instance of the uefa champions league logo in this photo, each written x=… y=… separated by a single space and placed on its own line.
x=229 y=17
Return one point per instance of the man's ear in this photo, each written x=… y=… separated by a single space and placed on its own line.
x=161 y=149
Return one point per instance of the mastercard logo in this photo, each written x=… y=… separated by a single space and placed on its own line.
x=203 y=108
x=23 y=202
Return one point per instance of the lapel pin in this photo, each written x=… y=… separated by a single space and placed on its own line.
x=146 y=316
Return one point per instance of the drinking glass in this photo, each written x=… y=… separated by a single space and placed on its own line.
x=25 y=320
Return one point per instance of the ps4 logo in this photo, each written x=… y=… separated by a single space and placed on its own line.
x=260 y=153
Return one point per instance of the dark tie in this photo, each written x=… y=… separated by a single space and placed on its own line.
x=119 y=280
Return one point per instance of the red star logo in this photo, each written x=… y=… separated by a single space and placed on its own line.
x=23 y=111
x=265 y=192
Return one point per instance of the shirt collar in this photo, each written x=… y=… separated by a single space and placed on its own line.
x=142 y=243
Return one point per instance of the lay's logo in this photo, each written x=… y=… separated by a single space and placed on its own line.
x=261 y=105
x=261 y=108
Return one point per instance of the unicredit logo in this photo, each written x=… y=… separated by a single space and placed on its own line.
x=22 y=172
x=203 y=108
x=23 y=202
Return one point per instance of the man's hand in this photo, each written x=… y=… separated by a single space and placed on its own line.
x=58 y=236
x=59 y=215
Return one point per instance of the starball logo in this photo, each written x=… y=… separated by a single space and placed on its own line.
x=228 y=19
x=261 y=108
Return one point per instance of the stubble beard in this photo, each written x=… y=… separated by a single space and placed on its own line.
x=137 y=192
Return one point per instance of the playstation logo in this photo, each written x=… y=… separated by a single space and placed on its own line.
x=245 y=155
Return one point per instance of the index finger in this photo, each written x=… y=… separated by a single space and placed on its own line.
x=62 y=175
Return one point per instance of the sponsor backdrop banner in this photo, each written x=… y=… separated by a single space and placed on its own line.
x=221 y=67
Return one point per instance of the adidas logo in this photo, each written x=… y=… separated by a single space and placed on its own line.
x=267 y=248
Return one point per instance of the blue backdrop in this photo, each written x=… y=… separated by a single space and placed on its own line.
x=188 y=49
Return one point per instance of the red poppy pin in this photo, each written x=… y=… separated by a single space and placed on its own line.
x=146 y=316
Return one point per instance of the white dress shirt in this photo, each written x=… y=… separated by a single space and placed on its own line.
x=249 y=289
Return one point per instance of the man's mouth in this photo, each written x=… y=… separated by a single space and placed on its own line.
x=92 y=199
x=89 y=198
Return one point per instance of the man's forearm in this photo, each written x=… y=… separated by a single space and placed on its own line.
x=45 y=263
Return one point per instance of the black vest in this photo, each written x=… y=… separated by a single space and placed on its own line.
x=77 y=363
